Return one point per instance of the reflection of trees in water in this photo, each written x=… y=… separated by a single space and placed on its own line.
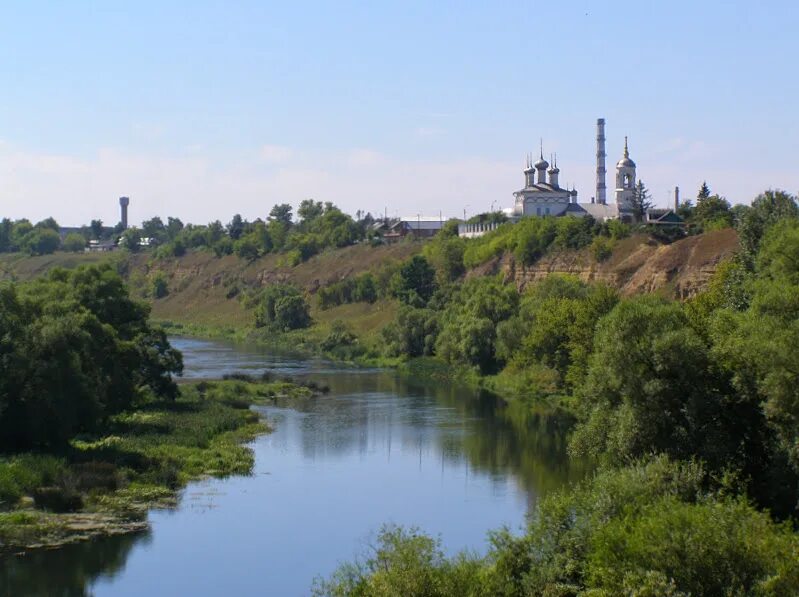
x=525 y=441
x=69 y=571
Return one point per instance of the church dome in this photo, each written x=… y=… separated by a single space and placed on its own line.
x=541 y=164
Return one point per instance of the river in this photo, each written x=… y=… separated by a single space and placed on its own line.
x=377 y=449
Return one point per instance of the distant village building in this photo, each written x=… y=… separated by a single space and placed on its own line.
x=416 y=226
x=476 y=230
x=96 y=246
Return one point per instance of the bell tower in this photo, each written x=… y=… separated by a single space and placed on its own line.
x=625 y=180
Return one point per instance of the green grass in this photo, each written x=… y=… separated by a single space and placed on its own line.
x=108 y=481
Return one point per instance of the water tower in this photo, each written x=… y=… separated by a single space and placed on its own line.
x=123 y=206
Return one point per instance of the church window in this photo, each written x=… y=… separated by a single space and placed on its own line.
x=547 y=211
x=538 y=211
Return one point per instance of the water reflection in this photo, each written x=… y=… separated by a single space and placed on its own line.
x=378 y=448
x=67 y=572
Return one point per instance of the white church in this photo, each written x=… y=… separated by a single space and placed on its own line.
x=542 y=194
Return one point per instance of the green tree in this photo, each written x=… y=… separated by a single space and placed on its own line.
x=6 y=231
x=652 y=386
x=131 y=239
x=309 y=210
x=704 y=192
x=247 y=247
x=173 y=228
x=236 y=227
x=214 y=232
x=42 y=241
x=767 y=209
x=19 y=235
x=282 y=306
x=412 y=334
x=48 y=224
x=74 y=242
x=445 y=254
x=292 y=312
x=160 y=285
x=468 y=331
x=154 y=229
x=75 y=349
x=415 y=282
x=641 y=202
x=281 y=213
x=713 y=212
x=96 y=227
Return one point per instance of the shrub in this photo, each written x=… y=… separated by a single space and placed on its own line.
x=160 y=286
x=341 y=342
x=282 y=306
x=74 y=243
x=57 y=499
x=601 y=248
x=415 y=282
x=361 y=289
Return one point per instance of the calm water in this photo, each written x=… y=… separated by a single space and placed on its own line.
x=377 y=449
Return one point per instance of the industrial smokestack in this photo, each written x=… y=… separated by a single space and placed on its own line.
x=123 y=207
x=600 y=161
x=676 y=198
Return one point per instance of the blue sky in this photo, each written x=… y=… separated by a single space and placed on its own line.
x=205 y=109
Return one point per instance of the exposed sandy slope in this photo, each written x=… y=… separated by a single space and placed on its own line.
x=638 y=265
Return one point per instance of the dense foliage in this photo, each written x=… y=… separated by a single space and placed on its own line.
x=530 y=238
x=22 y=236
x=356 y=289
x=319 y=227
x=75 y=349
x=282 y=307
x=651 y=530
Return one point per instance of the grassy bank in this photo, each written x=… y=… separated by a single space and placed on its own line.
x=105 y=484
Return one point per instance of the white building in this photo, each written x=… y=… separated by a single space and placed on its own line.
x=542 y=194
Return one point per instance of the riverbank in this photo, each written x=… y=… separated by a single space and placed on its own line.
x=529 y=386
x=105 y=484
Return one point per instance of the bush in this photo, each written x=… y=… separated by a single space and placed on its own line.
x=413 y=334
x=341 y=342
x=601 y=248
x=42 y=241
x=74 y=243
x=415 y=282
x=160 y=286
x=291 y=312
x=361 y=289
x=57 y=499
x=283 y=307
x=247 y=247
